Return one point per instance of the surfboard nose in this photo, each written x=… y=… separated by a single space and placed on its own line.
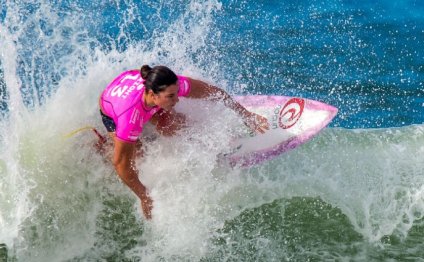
x=293 y=122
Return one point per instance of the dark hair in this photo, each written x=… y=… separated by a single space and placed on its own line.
x=157 y=78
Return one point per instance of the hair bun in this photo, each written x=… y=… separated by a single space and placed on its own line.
x=144 y=71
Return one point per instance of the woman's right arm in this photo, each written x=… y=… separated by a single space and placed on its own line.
x=124 y=162
x=203 y=90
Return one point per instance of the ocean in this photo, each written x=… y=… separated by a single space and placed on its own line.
x=355 y=192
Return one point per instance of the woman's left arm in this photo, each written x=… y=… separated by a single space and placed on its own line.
x=202 y=90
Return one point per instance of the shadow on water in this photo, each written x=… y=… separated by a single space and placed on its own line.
x=118 y=231
x=306 y=229
x=300 y=229
x=3 y=253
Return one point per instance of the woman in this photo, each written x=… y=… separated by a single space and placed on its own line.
x=149 y=94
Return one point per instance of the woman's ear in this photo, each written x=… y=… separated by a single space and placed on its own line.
x=150 y=93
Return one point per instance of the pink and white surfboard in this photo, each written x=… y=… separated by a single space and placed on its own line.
x=293 y=121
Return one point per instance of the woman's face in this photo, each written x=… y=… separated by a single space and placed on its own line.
x=168 y=98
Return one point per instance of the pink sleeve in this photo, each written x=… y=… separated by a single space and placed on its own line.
x=185 y=86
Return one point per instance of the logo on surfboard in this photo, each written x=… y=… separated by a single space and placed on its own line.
x=291 y=113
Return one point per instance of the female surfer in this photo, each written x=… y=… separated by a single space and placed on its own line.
x=149 y=94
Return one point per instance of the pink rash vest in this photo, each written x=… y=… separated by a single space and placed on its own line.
x=122 y=100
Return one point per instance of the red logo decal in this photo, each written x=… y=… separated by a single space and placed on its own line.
x=291 y=113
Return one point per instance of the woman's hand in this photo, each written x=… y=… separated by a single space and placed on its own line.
x=255 y=122
x=147 y=205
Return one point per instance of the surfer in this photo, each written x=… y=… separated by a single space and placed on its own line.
x=149 y=94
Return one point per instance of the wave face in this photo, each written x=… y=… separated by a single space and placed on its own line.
x=353 y=192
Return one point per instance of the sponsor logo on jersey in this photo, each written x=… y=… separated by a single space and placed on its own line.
x=135 y=116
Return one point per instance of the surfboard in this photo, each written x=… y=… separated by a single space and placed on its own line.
x=293 y=121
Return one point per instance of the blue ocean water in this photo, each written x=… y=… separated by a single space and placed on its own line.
x=355 y=192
